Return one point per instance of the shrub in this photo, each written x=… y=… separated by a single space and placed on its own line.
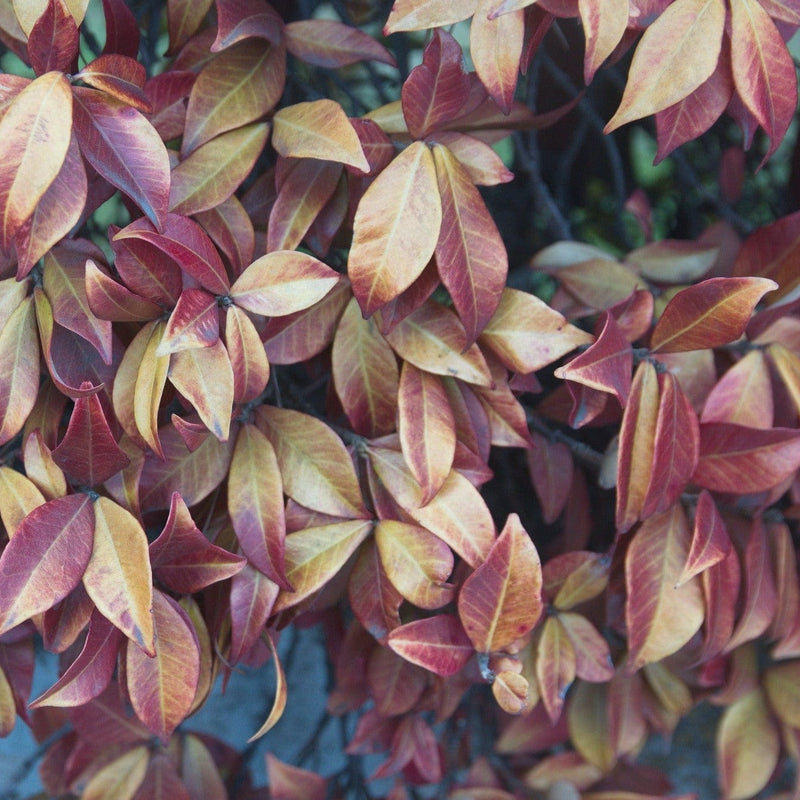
x=263 y=362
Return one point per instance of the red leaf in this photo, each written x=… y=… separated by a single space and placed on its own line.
x=253 y=596
x=193 y=323
x=551 y=466
x=501 y=601
x=53 y=40
x=125 y=149
x=328 y=43
x=374 y=599
x=121 y=77
x=292 y=783
x=184 y=18
x=122 y=30
x=437 y=89
x=710 y=540
x=244 y=19
x=46 y=558
x=437 y=643
x=89 y=453
x=168 y=94
x=555 y=666
x=743 y=395
x=711 y=313
x=247 y=356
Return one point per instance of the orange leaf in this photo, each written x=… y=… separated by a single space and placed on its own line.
x=502 y=600
x=395 y=229
x=604 y=23
x=660 y=618
x=292 y=783
x=118 y=576
x=438 y=644
x=318 y=129
x=510 y=690
x=413 y=15
x=279 y=703
x=743 y=395
x=555 y=666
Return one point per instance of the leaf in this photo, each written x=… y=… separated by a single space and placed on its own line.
x=35 y=134
x=193 y=323
x=281 y=283
x=417 y=563
x=426 y=427
x=496 y=44
x=395 y=229
x=183 y=559
x=470 y=255
x=315 y=555
x=88 y=453
x=279 y=703
x=317 y=129
x=373 y=598
x=332 y=44
x=660 y=617
x=46 y=558
x=501 y=600
x=413 y=15
x=743 y=395
x=19 y=369
x=588 y=720
x=437 y=89
x=676 y=54
x=396 y=685
x=252 y=598
x=710 y=540
x=734 y=458
x=526 y=334
x=511 y=690
x=247 y=356
x=90 y=672
x=592 y=656
x=637 y=446
x=211 y=174
x=555 y=666
x=255 y=501
x=118 y=576
x=433 y=340
x=125 y=149
x=316 y=468
x=781 y=685
x=122 y=32
x=709 y=314
x=120 y=76
x=748 y=745
x=292 y=783
x=604 y=24
x=204 y=376
x=184 y=18
x=236 y=87
x=483 y=165
x=763 y=70
x=28 y=12
x=438 y=644
x=121 y=778
x=149 y=386
x=19 y=495
x=551 y=467
x=162 y=687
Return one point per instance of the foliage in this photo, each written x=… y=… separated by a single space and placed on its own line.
x=271 y=386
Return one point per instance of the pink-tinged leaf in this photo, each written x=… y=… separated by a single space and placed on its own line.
x=35 y=133
x=412 y=15
x=417 y=562
x=747 y=746
x=46 y=558
x=483 y=165
x=721 y=583
x=231 y=230
x=204 y=376
x=292 y=783
x=604 y=24
x=315 y=555
x=122 y=777
x=763 y=70
x=396 y=228
x=304 y=192
x=255 y=500
x=238 y=86
x=677 y=53
x=496 y=48
x=57 y=212
x=162 y=687
x=555 y=666
x=395 y=684
x=315 y=465
x=365 y=374
x=373 y=598
x=19 y=369
x=90 y=672
x=89 y=453
x=426 y=427
x=183 y=559
x=118 y=576
x=19 y=495
x=210 y=174
x=470 y=255
x=147 y=271
x=433 y=339
x=184 y=18
x=743 y=395
x=606 y=365
x=186 y=243
x=168 y=94
x=244 y=19
x=660 y=618
x=697 y=112
x=54 y=39
x=193 y=323
x=122 y=30
x=742 y=460
x=438 y=643
x=121 y=77
x=331 y=44
x=281 y=693
x=253 y=595
x=675 y=447
x=526 y=334
x=437 y=89
x=592 y=656
x=709 y=314
x=125 y=149
x=247 y=356
x=282 y=283
x=550 y=466
x=501 y=600
x=637 y=446
x=710 y=540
